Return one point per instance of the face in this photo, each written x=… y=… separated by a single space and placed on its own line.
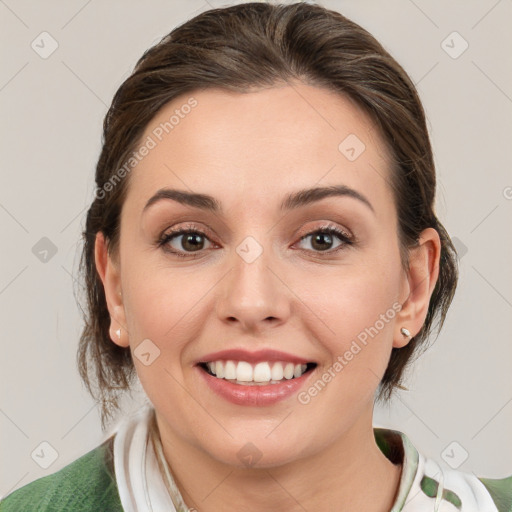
x=261 y=281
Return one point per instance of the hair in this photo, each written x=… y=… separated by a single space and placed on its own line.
x=243 y=48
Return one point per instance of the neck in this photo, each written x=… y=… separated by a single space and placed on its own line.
x=351 y=472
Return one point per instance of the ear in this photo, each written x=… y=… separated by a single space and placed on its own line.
x=109 y=272
x=419 y=283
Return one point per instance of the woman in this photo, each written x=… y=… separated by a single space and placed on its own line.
x=263 y=255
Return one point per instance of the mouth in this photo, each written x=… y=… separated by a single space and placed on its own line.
x=260 y=384
x=259 y=378
x=262 y=373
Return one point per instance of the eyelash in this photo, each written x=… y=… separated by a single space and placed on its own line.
x=329 y=229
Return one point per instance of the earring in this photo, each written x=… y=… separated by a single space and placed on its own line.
x=405 y=332
x=118 y=333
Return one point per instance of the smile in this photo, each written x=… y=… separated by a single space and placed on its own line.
x=259 y=374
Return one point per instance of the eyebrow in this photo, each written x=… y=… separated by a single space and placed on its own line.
x=291 y=201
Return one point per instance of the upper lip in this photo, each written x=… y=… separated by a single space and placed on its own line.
x=255 y=356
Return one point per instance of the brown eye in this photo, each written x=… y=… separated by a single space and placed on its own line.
x=323 y=239
x=183 y=242
x=192 y=242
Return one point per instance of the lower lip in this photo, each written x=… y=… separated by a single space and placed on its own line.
x=255 y=395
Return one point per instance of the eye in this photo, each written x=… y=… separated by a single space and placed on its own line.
x=186 y=240
x=323 y=238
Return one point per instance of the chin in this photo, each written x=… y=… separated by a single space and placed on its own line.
x=256 y=452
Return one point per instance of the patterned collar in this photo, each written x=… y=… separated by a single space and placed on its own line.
x=145 y=480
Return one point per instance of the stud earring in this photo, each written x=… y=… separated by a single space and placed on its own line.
x=118 y=333
x=405 y=332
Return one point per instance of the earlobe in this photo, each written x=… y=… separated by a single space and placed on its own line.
x=405 y=332
x=421 y=279
x=111 y=279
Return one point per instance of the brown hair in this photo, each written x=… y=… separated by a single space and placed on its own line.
x=244 y=47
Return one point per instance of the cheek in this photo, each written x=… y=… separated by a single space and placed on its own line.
x=357 y=304
x=162 y=300
x=162 y=306
x=357 y=315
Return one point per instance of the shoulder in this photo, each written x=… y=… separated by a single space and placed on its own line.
x=465 y=491
x=500 y=490
x=86 y=484
x=428 y=485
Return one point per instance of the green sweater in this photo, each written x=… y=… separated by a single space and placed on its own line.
x=86 y=484
x=89 y=484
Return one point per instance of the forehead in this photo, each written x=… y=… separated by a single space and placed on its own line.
x=257 y=146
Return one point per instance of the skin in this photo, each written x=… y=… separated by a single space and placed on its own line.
x=249 y=151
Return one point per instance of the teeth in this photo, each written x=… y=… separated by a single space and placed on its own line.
x=219 y=369
x=262 y=372
x=288 y=371
x=277 y=372
x=243 y=372
x=230 y=370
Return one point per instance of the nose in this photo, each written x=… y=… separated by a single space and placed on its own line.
x=253 y=294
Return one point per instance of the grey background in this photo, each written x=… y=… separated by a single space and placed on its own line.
x=52 y=111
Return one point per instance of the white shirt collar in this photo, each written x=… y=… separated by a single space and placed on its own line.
x=139 y=480
x=142 y=487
